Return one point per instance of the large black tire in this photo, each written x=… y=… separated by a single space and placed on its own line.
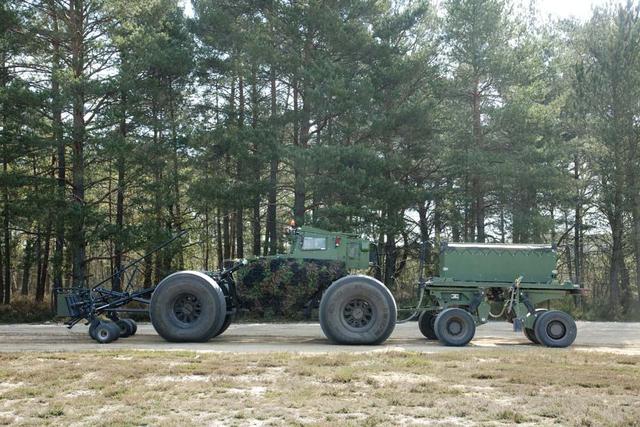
x=187 y=306
x=455 y=327
x=555 y=329
x=357 y=310
x=227 y=321
x=530 y=333
x=426 y=323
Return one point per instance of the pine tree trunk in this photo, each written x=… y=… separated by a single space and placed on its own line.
x=272 y=236
x=2 y=284
x=3 y=277
x=177 y=207
x=476 y=185
x=298 y=169
x=226 y=235
x=27 y=262
x=44 y=270
x=207 y=237
x=78 y=243
x=58 y=136
x=255 y=219
x=7 y=236
x=120 y=166
x=219 y=240
x=240 y=174
x=577 y=236
x=38 y=254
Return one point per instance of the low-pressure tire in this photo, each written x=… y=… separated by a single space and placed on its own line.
x=357 y=310
x=530 y=333
x=227 y=321
x=125 y=328
x=426 y=323
x=555 y=329
x=106 y=332
x=92 y=328
x=455 y=327
x=133 y=324
x=187 y=306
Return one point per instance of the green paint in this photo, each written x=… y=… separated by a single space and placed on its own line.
x=473 y=276
x=497 y=262
x=310 y=243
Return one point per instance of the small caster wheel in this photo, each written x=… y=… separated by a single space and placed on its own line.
x=92 y=328
x=133 y=324
x=106 y=332
x=125 y=328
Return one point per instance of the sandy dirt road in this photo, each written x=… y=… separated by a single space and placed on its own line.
x=307 y=338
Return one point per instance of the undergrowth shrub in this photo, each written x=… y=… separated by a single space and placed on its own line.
x=23 y=310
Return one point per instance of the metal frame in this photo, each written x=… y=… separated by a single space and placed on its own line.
x=475 y=297
x=80 y=303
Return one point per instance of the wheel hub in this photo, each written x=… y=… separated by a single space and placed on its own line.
x=187 y=308
x=357 y=313
x=556 y=330
x=454 y=327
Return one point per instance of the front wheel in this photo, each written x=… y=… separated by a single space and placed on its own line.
x=455 y=327
x=426 y=323
x=187 y=306
x=357 y=310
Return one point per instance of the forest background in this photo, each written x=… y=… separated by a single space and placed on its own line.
x=123 y=122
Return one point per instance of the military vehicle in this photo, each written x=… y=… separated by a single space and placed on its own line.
x=306 y=244
x=358 y=309
x=519 y=278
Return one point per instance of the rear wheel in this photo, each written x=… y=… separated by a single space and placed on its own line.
x=187 y=306
x=227 y=321
x=357 y=310
x=530 y=332
x=455 y=327
x=426 y=323
x=555 y=329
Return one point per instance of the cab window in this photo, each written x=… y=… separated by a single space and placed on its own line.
x=314 y=243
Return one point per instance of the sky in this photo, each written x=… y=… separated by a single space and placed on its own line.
x=580 y=9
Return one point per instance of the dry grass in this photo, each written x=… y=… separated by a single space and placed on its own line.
x=487 y=387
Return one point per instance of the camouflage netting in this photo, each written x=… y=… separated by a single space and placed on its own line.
x=282 y=287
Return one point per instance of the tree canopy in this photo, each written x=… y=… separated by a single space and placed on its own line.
x=124 y=122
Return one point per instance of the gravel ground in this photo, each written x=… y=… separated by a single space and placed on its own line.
x=307 y=338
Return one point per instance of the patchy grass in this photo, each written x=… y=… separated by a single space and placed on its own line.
x=486 y=387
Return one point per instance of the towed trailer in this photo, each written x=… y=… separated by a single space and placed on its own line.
x=193 y=306
x=516 y=279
